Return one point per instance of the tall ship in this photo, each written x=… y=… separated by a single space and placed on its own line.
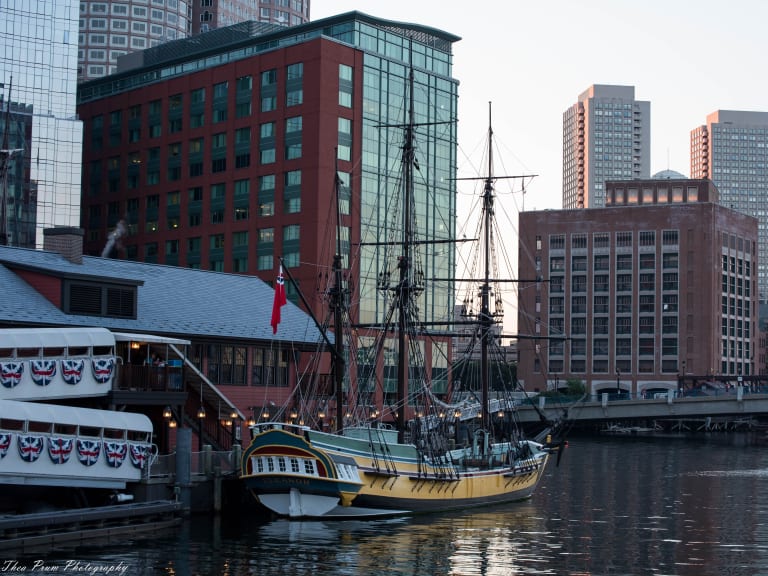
x=412 y=449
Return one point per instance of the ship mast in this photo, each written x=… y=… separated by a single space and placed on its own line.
x=486 y=319
x=405 y=286
x=337 y=302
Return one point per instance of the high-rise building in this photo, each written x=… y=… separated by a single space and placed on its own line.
x=210 y=14
x=606 y=136
x=220 y=152
x=112 y=28
x=659 y=283
x=731 y=149
x=41 y=159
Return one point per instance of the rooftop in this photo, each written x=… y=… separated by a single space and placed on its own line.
x=171 y=300
x=246 y=39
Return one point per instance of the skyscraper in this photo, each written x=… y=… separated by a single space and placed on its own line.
x=111 y=28
x=731 y=149
x=606 y=136
x=41 y=134
x=211 y=14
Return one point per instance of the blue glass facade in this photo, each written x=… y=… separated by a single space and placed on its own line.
x=38 y=70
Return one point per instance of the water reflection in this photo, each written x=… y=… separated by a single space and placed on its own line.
x=613 y=507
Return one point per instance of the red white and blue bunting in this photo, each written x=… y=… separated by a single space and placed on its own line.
x=60 y=449
x=88 y=451
x=139 y=455
x=5 y=443
x=42 y=371
x=115 y=453
x=11 y=373
x=72 y=370
x=102 y=369
x=30 y=447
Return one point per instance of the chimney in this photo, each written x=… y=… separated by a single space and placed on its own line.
x=66 y=240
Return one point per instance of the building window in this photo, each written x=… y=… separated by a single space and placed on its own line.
x=647 y=282
x=647 y=261
x=579 y=241
x=601 y=305
x=624 y=282
x=624 y=239
x=291 y=237
x=670 y=281
x=624 y=261
x=294 y=93
x=345 y=86
x=647 y=238
x=292 y=192
x=269 y=90
x=623 y=346
x=557 y=242
x=267 y=195
x=344 y=147
x=669 y=238
x=267 y=142
x=623 y=325
x=293 y=131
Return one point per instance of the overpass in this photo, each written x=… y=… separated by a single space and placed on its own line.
x=730 y=410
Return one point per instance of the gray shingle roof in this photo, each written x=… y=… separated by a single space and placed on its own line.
x=171 y=300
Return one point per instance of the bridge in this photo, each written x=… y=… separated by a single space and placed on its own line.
x=736 y=408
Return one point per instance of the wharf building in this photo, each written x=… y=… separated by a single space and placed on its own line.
x=731 y=149
x=232 y=365
x=110 y=29
x=606 y=136
x=659 y=284
x=40 y=133
x=221 y=151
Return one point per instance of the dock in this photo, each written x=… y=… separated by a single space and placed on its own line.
x=26 y=533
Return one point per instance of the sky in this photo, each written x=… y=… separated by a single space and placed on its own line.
x=532 y=59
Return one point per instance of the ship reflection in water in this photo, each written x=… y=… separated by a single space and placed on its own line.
x=619 y=506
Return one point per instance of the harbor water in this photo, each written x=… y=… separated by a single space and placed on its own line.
x=614 y=506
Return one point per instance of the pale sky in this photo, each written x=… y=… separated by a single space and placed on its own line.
x=533 y=58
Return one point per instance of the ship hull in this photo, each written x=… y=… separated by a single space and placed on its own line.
x=292 y=478
x=394 y=477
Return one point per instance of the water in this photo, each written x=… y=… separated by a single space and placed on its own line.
x=614 y=506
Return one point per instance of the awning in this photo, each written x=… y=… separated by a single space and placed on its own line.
x=148 y=338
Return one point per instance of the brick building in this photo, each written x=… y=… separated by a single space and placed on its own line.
x=660 y=282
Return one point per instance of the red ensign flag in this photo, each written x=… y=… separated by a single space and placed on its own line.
x=279 y=300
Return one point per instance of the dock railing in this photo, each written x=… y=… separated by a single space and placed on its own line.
x=206 y=463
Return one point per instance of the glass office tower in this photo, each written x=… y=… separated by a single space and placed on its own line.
x=41 y=134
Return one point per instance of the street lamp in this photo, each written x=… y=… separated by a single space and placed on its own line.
x=200 y=419
x=235 y=426
x=618 y=380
